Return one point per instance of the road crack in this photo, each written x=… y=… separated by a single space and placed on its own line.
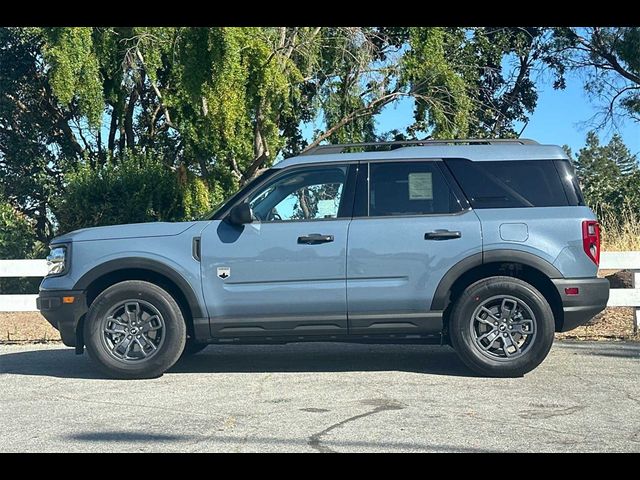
x=550 y=412
x=315 y=440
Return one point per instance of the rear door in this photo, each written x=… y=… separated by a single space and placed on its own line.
x=411 y=225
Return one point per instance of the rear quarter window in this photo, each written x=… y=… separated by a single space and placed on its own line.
x=510 y=184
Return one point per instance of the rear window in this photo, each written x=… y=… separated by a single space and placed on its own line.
x=510 y=184
x=409 y=188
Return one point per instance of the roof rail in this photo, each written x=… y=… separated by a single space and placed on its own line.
x=339 y=148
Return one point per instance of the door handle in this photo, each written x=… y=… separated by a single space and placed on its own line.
x=315 y=239
x=442 y=235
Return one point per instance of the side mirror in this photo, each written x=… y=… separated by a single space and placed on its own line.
x=241 y=214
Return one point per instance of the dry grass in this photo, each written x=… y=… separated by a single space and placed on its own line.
x=620 y=230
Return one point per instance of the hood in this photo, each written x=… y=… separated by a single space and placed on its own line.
x=131 y=230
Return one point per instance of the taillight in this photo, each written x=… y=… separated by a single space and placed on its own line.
x=591 y=240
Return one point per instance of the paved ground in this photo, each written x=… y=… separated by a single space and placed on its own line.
x=323 y=397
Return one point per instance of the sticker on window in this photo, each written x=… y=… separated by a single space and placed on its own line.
x=327 y=209
x=420 y=186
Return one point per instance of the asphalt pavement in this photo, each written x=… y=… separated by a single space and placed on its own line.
x=323 y=398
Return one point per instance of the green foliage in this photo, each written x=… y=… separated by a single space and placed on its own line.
x=197 y=198
x=135 y=189
x=17 y=237
x=74 y=69
x=103 y=125
x=609 y=175
x=442 y=103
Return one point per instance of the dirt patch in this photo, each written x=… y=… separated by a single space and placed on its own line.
x=618 y=278
x=18 y=327
x=612 y=323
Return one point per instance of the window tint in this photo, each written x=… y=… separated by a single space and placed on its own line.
x=509 y=184
x=409 y=188
x=303 y=194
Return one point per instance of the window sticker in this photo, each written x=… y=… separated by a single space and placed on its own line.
x=420 y=186
x=327 y=208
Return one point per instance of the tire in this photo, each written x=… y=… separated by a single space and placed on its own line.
x=511 y=342
x=191 y=348
x=134 y=329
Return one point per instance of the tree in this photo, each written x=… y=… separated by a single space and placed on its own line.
x=609 y=57
x=500 y=63
x=608 y=174
x=215 y=106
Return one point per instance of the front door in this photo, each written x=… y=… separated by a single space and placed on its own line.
x=285 y=273
x=409 y=229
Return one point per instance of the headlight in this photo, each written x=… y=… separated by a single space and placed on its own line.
x=56 y=260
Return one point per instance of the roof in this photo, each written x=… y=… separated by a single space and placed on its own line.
x=476 y=153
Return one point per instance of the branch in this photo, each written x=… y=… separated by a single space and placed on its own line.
x=154 y=86
x=360 y=112
x=599 y=49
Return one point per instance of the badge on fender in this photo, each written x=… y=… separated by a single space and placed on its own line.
x=224 y=272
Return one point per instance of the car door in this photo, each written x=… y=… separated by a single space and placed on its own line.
x=411 y=225
x=284 y=273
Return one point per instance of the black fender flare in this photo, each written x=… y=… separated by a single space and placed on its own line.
x=141 y=263
x=441 y=294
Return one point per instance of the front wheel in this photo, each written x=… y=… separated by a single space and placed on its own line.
x=134 y=329
x=502 y=327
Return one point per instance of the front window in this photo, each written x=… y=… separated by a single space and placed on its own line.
x=313 y=193
x=220 y=210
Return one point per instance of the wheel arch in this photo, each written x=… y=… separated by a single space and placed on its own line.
x=525 y=266
x=109 y=273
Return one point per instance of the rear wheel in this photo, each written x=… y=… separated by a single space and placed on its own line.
x=502 y=327
x=134 y=329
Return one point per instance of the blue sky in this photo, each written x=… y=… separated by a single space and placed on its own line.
x=561 y=117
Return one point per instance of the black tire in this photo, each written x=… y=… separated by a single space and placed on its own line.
x=472 y=347
x=192 y=347
x=117 y=307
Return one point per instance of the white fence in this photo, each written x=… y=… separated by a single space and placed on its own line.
x=620 y=297
x=20 y=268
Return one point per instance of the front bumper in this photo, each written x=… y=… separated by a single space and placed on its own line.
x=63 y=316
x=579 y=309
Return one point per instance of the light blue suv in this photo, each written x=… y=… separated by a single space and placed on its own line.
x=482 y=244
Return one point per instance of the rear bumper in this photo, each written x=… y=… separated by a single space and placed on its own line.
x=579 y=309
x=63 y=316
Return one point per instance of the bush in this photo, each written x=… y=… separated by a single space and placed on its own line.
x=17 y=237
x=136 y=189
x=17 y=241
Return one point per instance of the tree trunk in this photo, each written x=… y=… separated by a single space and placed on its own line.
x=112 y=130
x=128 y=120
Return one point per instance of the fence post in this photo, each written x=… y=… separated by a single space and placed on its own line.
x=635 y=283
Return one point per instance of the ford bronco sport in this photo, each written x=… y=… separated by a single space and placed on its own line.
x=485 y=245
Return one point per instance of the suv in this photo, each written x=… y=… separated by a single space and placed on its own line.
x=482 y=244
